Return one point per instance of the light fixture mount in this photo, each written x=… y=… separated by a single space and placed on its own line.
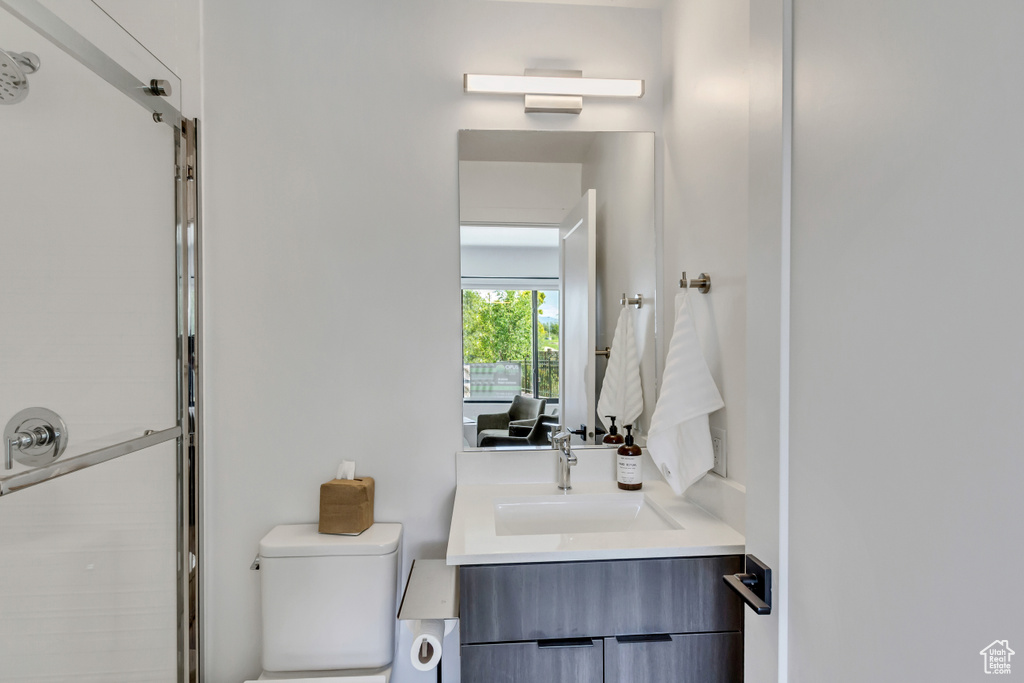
x=553 y=90
x=553 y=104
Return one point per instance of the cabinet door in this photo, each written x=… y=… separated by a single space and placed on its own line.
x=578 y=660
x=524 y=602
x=692 y=658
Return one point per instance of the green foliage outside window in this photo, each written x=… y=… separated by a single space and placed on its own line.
x=497 y=326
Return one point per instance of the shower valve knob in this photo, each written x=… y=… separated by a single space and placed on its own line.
x=34 y=437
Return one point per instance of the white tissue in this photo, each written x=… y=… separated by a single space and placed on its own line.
x=427 y=635
x=346 y=470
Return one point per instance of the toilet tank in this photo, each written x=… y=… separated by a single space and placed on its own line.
x=329 y=601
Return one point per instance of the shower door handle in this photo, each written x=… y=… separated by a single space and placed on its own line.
x=754 y=585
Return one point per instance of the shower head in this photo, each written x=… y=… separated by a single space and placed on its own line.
x=13 y=80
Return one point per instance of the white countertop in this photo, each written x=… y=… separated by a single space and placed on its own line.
x=486 y=476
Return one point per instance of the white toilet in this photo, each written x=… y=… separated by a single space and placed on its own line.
x=329 y=603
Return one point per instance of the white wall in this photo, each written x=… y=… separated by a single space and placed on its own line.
x=907 y=370
x=765 y=521
x=332 y=253
x=705 y=193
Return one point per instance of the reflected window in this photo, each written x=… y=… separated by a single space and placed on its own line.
x=509 y=344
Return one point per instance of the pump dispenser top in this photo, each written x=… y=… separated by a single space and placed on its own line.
x=612 y=437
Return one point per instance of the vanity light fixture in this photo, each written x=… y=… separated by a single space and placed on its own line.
x=555 y=91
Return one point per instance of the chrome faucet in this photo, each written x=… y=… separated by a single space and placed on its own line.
x=566 y=458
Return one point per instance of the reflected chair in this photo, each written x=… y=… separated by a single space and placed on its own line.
x=497 y=424
x=539 y=435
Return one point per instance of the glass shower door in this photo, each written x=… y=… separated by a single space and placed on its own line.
x=89 y=293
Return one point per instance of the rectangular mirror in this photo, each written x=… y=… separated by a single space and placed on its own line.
x=556 y=227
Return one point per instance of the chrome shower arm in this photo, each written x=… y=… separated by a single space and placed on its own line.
x=28 y=61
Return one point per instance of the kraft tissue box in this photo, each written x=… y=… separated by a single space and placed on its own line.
x=346 y=506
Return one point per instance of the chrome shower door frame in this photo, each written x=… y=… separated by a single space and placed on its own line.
x=188 y=241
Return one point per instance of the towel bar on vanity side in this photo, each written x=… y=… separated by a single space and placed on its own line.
x=702 y=284
x=754 y=585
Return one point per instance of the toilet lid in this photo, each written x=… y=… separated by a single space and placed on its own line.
x=303 y=540
x=375 y=678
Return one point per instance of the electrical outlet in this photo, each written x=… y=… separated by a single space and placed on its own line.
x=718 y=444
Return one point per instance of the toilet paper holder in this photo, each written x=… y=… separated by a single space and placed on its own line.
x=430 y=608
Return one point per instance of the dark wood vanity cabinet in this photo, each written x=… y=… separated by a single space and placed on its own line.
x=675 y=658
x=578 y=660
x=663 y=620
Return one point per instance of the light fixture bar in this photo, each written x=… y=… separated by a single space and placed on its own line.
x=552 y=85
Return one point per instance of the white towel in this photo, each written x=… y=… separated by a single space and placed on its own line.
x=679 y=439
x=622 y=395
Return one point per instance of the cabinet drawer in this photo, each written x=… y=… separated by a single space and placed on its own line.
x=580 y=661
x=590 y=599
x=679 y=658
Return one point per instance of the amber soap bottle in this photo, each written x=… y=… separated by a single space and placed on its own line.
x=627 y=463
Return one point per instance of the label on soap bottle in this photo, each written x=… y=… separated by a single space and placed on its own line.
x=628 y=468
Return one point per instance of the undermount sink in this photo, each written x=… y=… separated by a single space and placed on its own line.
x=582 y=513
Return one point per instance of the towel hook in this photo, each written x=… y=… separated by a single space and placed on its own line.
x=702 y=284
x=637 y=301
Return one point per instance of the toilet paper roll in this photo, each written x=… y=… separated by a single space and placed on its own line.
x=427 y=635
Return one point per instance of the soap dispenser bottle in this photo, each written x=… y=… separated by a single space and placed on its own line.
x=628 y=471
x=613 y=438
